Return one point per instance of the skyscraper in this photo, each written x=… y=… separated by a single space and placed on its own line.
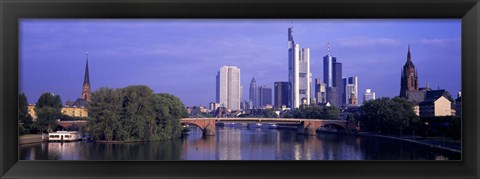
x=299 y=75
x=332 y=77
x=350 y=92
x=265 y=96
x=320 y=91
x=368 y=95
x=253 y=96
x=281 y=94
x=409 y=77
x=228 y=87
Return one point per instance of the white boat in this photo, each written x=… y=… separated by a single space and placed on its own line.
x=269 y=126
x=254 y=125
x=64 y=136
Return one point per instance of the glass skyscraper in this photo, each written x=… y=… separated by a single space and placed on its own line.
x=299 y=75
x=332 y=77
x=281 y=94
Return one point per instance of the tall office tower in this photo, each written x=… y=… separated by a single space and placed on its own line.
x=281 y=94
x=350 y=92
x=299 y=75
x=332 y=77
x=253 y=96
x=409 y=77
x=228 y=87
x=265 y=96
x=368 y=95
x=320 y=91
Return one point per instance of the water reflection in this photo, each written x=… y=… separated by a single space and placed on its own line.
x=241 y=144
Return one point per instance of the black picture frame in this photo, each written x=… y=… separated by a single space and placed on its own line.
x=12 y=10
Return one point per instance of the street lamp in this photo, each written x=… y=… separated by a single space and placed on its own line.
x=426 y=124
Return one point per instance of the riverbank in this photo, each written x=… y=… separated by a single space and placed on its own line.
x=440 y=143
x=30 y=138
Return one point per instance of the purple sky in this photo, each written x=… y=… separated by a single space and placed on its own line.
x=182 y=57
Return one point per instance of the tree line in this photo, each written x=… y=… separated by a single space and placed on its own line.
x=395 y=116
x=133 y=113
x=48 y=110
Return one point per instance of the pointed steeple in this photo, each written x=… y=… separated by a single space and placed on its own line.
x=409 y=56
x=86 y=83
x=409 y=62
x=86 y=79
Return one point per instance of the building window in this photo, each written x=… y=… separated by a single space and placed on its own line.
x=302 y=91
x=303 y=75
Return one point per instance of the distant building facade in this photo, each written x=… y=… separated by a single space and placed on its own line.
x=228 y=87
x=31 y=111
x=265 y=96
x=350 y=92
x=368 y=95
x=246 y=105
x=436 y=103
x=281 y=94
x=320 y=92
x=213 y=106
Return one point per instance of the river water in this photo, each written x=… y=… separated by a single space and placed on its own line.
x=241 y=143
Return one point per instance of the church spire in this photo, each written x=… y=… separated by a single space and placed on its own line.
x=86 y=79
x=86 y=83
x=409 y=56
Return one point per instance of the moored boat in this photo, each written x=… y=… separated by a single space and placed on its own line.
x=64 y=136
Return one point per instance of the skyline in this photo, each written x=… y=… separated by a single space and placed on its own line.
x=188 y=57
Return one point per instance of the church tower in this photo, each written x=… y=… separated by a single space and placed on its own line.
x=86 y=84
x=409 y=77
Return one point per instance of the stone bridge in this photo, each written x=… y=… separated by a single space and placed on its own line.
x=305 y=126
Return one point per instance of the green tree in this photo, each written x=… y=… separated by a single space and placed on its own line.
x=137 y=112
x=23 y=117
x=22 y=108
x=391 y=116
x=134 y=113
x=265 y=113
x=168 y=112
x=48 y=110
x=104 y=110
x=316 y=112
x=330 y=112
x=269 y=113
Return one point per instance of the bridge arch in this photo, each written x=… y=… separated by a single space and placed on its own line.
x=192 y=124
x=206 y=125
x=332 y=126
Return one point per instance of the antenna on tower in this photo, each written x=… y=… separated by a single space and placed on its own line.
x=86 y=54
x=328 y=48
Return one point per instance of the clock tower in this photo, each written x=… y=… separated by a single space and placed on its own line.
x=409 y=77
